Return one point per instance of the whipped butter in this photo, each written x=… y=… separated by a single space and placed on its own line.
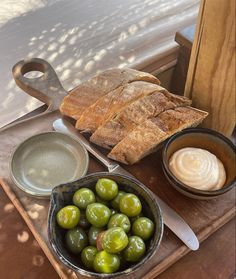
x=198 y=168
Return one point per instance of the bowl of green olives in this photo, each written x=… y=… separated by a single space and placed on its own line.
x=104 y=225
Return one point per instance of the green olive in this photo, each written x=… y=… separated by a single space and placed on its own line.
x=88 y=255
x=106 y=263
x=106 y=189
x=114 y=240
x=133 y=219
x=76 y=240
x=83 y=222
x=83 y=197
x=68 y=217
x=130 y=205
x=116 y=201
x=119 y=220
x=93 y=234
x=135 y=249
x=98 y=214
x=143 y=227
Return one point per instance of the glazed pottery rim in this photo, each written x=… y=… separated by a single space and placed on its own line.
x=47 y=194
x=89 y=273
x=181 y=185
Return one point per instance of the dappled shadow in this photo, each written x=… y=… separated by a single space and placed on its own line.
x=80 y=38
x=18 y=248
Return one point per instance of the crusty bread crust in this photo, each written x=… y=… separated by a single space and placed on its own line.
x=112 y=103
x=144 y=139
x=119 y=126
x=88 y=92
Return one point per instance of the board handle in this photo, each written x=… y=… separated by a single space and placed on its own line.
x=46 y=88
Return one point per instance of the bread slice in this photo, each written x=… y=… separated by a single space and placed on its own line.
x=112 y=103
x=144 y=139
x=118 y=127
x=87 y=93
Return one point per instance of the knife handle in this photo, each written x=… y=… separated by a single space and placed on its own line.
x=66 y=127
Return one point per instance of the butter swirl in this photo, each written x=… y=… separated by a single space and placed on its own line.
x=198 y=168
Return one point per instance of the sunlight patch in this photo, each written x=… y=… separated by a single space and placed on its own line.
x=9 y=207
x=38 y=260
x=23 y=236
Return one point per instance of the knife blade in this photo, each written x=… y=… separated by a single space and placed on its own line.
x=171 y=218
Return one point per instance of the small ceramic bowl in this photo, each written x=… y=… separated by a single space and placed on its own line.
x=45 y=160
x=207 y=139
x=62 y=196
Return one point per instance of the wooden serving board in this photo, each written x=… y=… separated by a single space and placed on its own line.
x=204 y=217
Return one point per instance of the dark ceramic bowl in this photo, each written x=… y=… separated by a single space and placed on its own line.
x=207 y=139
x=62 y=196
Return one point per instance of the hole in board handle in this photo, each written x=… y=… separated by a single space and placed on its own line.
x=33 y=74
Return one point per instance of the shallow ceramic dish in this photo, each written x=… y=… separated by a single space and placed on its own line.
x=62 y=195
x=207 y=139
x=45 y=160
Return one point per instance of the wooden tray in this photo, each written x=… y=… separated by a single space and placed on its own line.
x=204 y=217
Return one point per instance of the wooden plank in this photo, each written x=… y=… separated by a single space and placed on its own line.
x=15 y=236
x=29 y=223
x=185 y=37
x=208 y=262
x=211 y=76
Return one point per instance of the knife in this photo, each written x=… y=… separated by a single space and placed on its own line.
x=171 y=219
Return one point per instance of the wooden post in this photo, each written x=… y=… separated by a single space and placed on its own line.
x=211 y=75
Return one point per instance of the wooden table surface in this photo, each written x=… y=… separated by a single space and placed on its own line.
x=18 y=248
x=22 y=258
